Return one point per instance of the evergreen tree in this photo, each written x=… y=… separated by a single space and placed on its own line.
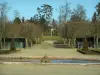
x=17 y=20
x=23 y=19
x=94 y=18
x=98 y=10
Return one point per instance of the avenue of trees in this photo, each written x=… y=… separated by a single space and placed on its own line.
x=42 y=21
x=76 y=17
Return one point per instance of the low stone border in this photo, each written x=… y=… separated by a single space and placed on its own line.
x=96 y=51
x=81 y=51
x=82 y=64
x=88 y=52
x=50 y=57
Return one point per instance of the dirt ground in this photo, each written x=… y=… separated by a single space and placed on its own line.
x=32 y=69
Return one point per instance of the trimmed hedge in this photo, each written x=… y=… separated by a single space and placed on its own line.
x=8 y=51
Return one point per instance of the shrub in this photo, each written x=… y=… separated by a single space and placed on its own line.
x=45 y=59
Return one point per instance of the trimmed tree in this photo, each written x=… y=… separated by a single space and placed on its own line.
x=12 y=48
x=85 y=44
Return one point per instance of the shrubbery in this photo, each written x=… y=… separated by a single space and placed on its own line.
x=45 y=59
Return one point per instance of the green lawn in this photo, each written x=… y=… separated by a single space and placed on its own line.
x=51 y=38
x=32 y=69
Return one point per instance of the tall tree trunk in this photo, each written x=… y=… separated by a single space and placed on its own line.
x=26 y=41
x=74 y=42
x=1 y=43
x=65 y=40
x=12 y=45
x=51 y=32
x=96 y=42
x=42 y=33
x=4 y=44
x=38 y=40
x=31 y=43
x=69 y=42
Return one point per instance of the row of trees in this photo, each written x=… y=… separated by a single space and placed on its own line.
x=38 y=23
x=43 y=19
x=66 y=15
x=96 y=24
x=78 y=16
x=4 y=8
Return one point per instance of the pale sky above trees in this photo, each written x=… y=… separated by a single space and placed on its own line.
x=28 y=8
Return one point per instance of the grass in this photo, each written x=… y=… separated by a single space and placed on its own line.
x=32 y=69
x=51 y=38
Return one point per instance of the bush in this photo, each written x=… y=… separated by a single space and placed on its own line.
x=45 y=59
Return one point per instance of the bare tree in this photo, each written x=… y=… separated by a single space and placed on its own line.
x=16 y=14
x=95 y=33
x=73 y=36
x=69 y=33
x=96 y=25
x=3 y=15
x=64 y=12
x=64 y=33
x=26 y=32
x=60 y=15
x=31 y=32
x=37 y=33
x=78 y=14
x=67 y=11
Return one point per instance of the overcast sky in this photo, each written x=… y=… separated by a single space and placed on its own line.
x=28 y=8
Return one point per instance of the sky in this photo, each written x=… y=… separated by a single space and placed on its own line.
x=27 y=8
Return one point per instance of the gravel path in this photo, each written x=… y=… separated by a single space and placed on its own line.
x=32 y=69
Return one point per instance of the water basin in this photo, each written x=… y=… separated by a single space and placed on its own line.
x=74 y=61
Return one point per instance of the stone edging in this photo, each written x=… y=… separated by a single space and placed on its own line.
x=51 y=57
x=82 y=64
